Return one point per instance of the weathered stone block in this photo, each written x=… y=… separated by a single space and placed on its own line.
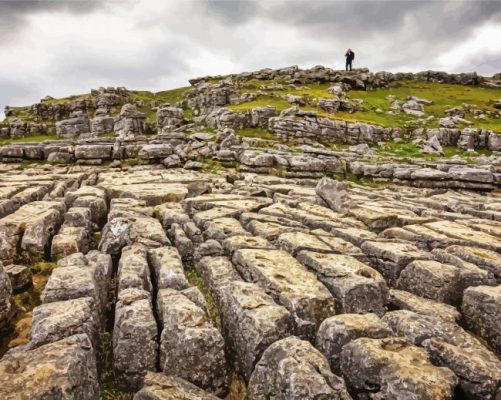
x=62 y=370
x=251 y=321
x=432 y=280
x=61 y=319
x=356 y=287
x=164 y=387
x=190 y=346
x=292 y=369
x=481 y=310
x=393 y=370
x=290 y=284
x=339 y=330
x=168 y=268
x=135 y=335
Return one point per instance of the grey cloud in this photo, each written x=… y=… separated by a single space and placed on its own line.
x=243 y=35
x=439 y=20
x=13 y=13
x=232 y=12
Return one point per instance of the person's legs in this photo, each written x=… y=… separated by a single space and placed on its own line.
x=347 y=64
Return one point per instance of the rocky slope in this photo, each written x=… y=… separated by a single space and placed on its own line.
x=260 y=236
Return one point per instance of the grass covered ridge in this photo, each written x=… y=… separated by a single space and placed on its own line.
x=443 y=96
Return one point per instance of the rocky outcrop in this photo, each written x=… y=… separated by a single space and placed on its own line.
x=169 y=117
x=130 y=123
x=73 y=127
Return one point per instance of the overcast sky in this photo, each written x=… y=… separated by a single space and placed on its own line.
x=60 y=48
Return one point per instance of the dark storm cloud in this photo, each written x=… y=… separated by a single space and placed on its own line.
x=160 y=44
x=13 y=13
x=360 y=18
x=232 y=12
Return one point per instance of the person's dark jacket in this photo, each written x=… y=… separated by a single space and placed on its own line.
x=350 y=56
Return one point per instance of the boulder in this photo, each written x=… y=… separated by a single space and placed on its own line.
x=356 y=287
x=478 y=369
x=72 y=128
x=130 y=123
x=169 y=117
x=20 y=277
x=333 y=193
x=402 y=300
x=416 y=278
x=70 y=240
x=117 y=234
x=133 y=268
x=167 y=268
x=101 y=125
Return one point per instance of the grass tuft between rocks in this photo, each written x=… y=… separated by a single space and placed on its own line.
x=195 y=279
x=110 y=380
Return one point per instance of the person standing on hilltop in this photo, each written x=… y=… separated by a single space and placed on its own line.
x=350 y=56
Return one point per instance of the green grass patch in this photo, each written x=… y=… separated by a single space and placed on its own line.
x=110 y=380
x=262 y=101
x=212 y=166
x=443 y=96
x=28 y=139
x=409 y=150
x=67 y=100
x=400 y=149
x=215 y=166
x=166 y=96
x=256 y=133
x=189 y=114
x=350 y=177
x=195 y=279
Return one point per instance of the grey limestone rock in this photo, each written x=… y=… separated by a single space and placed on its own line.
x=65 y=369
x=190 y=346
x=292 y=369
x=391 y=369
